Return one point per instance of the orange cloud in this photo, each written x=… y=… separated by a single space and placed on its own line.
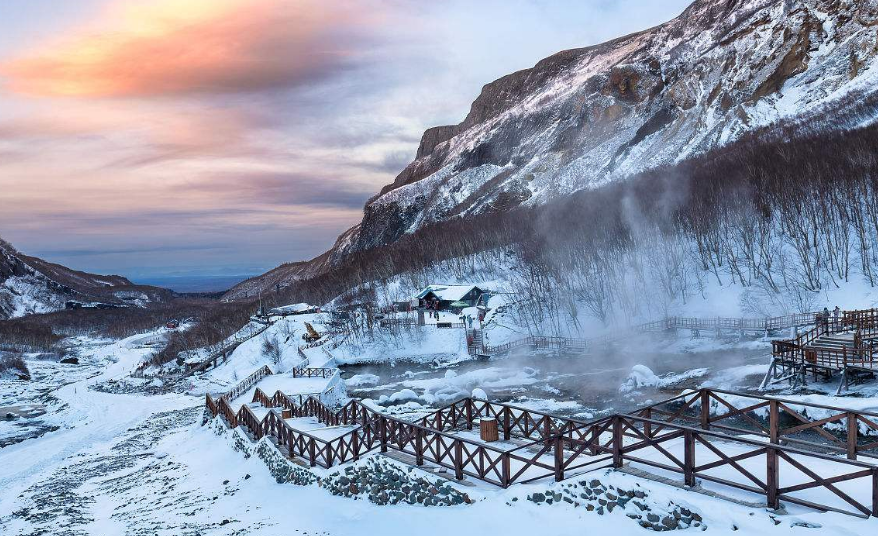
x=195 y=46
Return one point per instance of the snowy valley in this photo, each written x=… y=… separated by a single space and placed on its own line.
x=635 y=290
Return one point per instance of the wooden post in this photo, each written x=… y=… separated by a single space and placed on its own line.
x=689 y=457
x=458 y=459
x=419 y=446
x=617 y=442
x=507 y=423
x=382 y=433
x=875 y=492
x=772 y=477
x=595 y=443
x=312 y=454
x=469 y=413
x=355 y=444
x=488 y=429
x=773 y=417
x=852 y=435
x=559 y=459
x=705 y=409
x=647 y=426
x=506 y=471
x=547 y=429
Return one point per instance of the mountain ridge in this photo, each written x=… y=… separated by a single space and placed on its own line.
x=30 y=285
x=586 y=117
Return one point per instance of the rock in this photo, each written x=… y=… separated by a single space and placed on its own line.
x=538 y=497
x=70 y=361
x=652 y=517
x=225 y=482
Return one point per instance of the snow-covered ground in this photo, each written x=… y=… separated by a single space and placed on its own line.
x=122 y=463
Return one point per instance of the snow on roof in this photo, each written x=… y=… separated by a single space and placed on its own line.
x=447 y=292
x=294 y=308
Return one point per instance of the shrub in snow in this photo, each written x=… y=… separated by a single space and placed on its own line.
x=13 y=367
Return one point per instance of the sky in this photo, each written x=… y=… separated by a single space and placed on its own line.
x=157 y=138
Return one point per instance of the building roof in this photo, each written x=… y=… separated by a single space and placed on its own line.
x=447 y=292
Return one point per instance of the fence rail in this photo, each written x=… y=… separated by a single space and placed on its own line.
x=692 y=434
x=665 y=324
x=806 y=351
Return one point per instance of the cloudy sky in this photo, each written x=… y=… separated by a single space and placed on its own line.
x=161 y=137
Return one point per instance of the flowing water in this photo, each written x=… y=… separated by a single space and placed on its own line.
x=578 y=385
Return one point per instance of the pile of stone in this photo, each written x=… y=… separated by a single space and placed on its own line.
x=383 y=482
x=281 y=469
x=594 y=496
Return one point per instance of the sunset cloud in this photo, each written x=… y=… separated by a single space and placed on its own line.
x=150 y=136
x=199 y=46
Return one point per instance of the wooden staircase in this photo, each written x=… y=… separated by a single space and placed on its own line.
x=845 y=345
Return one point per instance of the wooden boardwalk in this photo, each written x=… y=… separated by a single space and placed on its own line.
x=714 y=324
x=758 y=445
x=845 y=346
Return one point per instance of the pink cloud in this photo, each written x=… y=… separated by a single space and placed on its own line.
x=174 y=47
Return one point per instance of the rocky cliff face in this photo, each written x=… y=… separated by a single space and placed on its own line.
x=30 y=285
x=586 y=117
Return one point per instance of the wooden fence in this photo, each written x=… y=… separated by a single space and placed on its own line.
x=665 y=324
x=805 y=349
x=313 y=372
x=691 y=435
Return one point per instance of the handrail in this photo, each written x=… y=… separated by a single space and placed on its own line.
x=560 y=444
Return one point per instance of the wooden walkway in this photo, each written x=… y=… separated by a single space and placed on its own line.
x=845 y=346
x=719 y=438
x=672 y=323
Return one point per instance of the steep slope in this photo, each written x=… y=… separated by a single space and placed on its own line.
x=587 y=117
x=30 y=285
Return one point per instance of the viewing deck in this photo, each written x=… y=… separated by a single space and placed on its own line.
x=845 y=345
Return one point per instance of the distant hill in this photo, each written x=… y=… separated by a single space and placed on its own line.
x=31 y=285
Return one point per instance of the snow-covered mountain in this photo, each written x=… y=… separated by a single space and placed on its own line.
x=586 y=117
x=30 y=285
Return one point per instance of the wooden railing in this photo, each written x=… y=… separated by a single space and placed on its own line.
x=663 y=442
x=540 y=342
x=777 y=419
x=313 y=372
x=803 y=351
x=244 y=385
x=728 y=427
x=665 y=324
